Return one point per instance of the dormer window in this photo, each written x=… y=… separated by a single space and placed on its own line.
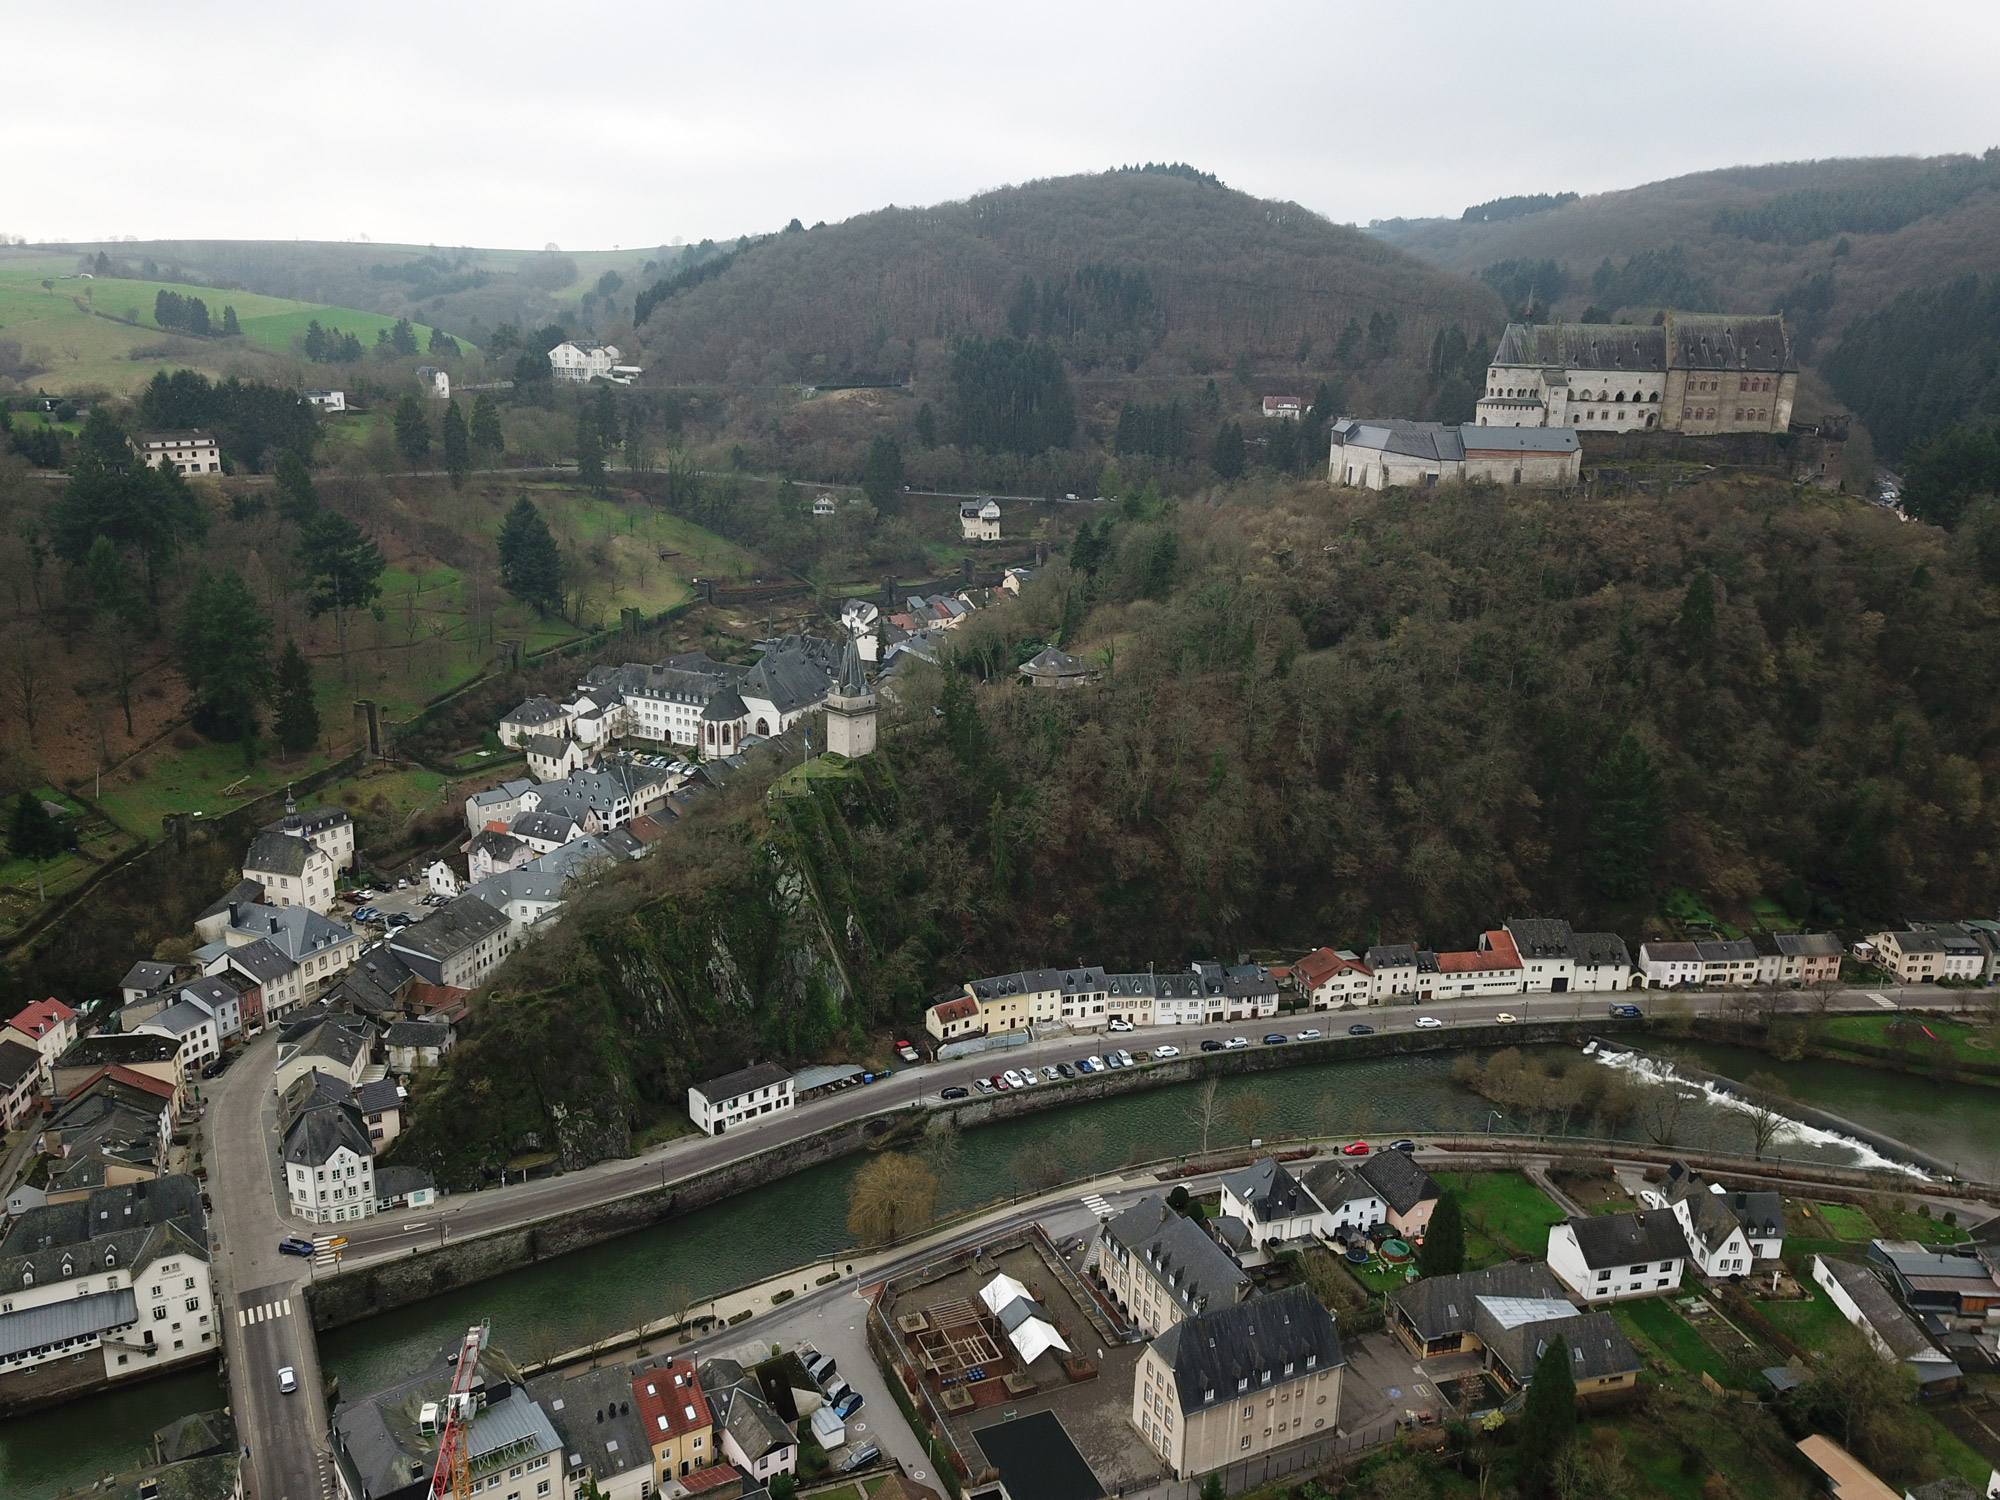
x=1243 y=1382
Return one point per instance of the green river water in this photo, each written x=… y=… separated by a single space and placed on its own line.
x=560 y=1304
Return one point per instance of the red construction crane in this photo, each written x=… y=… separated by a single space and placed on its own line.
x=452 y=1474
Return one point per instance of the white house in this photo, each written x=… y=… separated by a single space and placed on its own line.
x=1617 y=1257
x=1273 y=1205
x=1333 y=979
x=192 y=1026
x=329 y=1167
x=1727 y=1233
x=49 y=1027
x=458 y=945
x=1395 y=968
x=183 y=452
x=537 y=715
x=527 y=897
x=328 y=401
x=1290 y=408
x=130 y=1298
x=979 y=520
x=580 y=360
x=328 y=829
x=824 y=504
x=736 y=1098
x=1669 y=965
x=1347 y=1200
x=499 y=804
x=1893 y=1334
x=292 y=869
x=441 y=878
x=1556 y=960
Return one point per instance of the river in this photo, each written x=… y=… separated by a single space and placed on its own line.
x=556 y=1305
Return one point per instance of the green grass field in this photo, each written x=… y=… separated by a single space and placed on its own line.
x=1505 y=1215
x=1810 y=1322
x=1845 y=1222
x=206 y=779
x=1968 y=1043
x=1656 y=1325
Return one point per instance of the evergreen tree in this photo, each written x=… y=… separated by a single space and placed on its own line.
x=604 y=407
x=315 y=345
x=1283 y=450
x=230 y=327
x=1443 y=1250
x=442 y=343
x=530 y=565
x=1696 y=623
x=224 y=651
x=403 y=338
x=1548 y=1421
x=1212 y=1488
x=297 y=711
x=882 y=476
x=487 y=436
x=298 y=501
x=589 y=450
x=1228 y=459
x=413 y=433
x=33 y=835
x=926 y=426
x=1627 y=814
x=197 y=317
x=457 y=444
x=118 y=608
x=343 y=569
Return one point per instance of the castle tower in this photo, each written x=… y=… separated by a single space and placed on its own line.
x=850 y=708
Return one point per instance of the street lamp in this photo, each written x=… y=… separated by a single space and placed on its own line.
x=1491 y=1116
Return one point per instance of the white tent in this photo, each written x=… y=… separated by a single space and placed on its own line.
x=1031 y=1334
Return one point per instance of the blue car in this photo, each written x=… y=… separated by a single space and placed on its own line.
x=1625 y=1012
x=847 y=1405
x=294 y=1246
x=1276 y=1039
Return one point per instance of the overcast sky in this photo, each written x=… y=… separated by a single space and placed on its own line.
x=636 y=124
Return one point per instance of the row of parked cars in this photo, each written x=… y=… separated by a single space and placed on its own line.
x=844 y=1400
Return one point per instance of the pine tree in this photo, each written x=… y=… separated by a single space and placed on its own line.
x=343 y=569
x=604 y=406
x=926 y=426
x=197 y=317
x=413 y=433
x=882 y=476
x=1228 y=458
x=530 y=565
x=316 y=342
x=1443 y=1250
x=224 y=652
x=457 y=444
x=298 y=501
x=1548 y=1422
x=298 y=712
x=1697 y=618
x=230 y=327
x=487 y=436
x=589 y=450
x=34 y=835
x=1627 y=814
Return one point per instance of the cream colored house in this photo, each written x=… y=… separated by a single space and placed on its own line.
x=293 y=871
x=1238 y=1381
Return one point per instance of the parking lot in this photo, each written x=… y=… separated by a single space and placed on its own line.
x=408 y=902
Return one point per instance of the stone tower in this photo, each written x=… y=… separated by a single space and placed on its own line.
x=850 y=708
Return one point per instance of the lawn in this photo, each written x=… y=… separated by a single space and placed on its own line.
x=1810 y=1322
x=1655 y=1323
x=1505 y=1215
x=1845 y=1222
x=1968 y=1043
x=204 y=778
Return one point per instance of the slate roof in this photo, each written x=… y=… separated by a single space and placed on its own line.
x=418 y=1034
x=500 y=847
x=726 y=706
x=1729 y=951
x=1608 y=1241
x=278 y=854
x=1599 y=948
x=310 y=1090
x=244 y=890
x=1539 y=937
x=339 y=1044
x=1620 y=347
x=786 y=679
x=1884 y=1314
x=1729 y=341
x=376 y=1439
x=536 y=710
x=1269 y=1191
x=1475 y=438
x=1439 y=1306
x=1761 y=1214
x=742 y=1081
x=1250 y=1341
x=73 y=1317
x=297 y=931
x=104 y=1050
x=1178 y=1254
x=400 y=1182
x=1049 y=662
x=262 y=961
x=1035 y=981
x=1390 y=956
x=147 y=975
x=1670 y=953
x=739 y=1406
x=451 y=929
x=107 y=1210
x=318 y=1133
x=1334 y=1182
x=378 y=1095
x=592 y=1413
x=312 y=820
x=1809 y=944
x=1597 y=1347
x=1430 y=442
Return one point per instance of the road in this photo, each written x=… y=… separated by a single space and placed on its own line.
x=287 y=1435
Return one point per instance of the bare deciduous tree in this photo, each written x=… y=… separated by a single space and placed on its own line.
x=1206 y=1111
x=1765 y=1090
x=892 y=1196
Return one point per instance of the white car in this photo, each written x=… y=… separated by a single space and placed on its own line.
x=1166 y=1052
x=1051 y=1074
x=288 y=1379
x=1013 y=1079
x=1124 y=1058
x=1118 y=1024
x=1237 y=1041
x=1096 y=1063
x=1506 y=1018
x=1428 y=1023
x=1310 y=1034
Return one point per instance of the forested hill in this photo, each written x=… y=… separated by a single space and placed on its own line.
x=1324 y=717
x=1827 y=241
x=1149 y=273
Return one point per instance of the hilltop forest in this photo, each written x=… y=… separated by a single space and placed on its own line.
x=1323 y=717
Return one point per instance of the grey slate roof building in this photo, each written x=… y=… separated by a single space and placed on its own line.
x=1437 y=1312
x=1609 y=1241
x=592 y=1413
x=1050 y=667
x=1270 y=1192
x=1584 y=346
x=317 y=1134
x=1188 y=1267
x=147 y=977
x=383 y=1453
x=1516 y=1337
x=1890 y=1328
x=1218 y=1354
x=1400 y=1181
x=279 y=854
x=743 y=1081
x=737 y=1403
x=444 y=935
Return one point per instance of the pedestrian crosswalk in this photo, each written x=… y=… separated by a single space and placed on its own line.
x=1096 y=1204
x=263 y=1312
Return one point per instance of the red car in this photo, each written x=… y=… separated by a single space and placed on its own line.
x=997 y=1081
x=1358 y=1148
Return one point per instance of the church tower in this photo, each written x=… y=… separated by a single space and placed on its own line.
x=850 y=709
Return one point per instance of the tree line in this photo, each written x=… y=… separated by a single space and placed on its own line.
x=1928 y=360
x=1810 y=214
x=252 y=421
x=189 y=314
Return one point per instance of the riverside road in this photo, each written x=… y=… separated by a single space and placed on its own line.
x=268 y=1325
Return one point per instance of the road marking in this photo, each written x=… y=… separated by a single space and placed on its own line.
x=263 y=1312
x=1096 y=1204
x=1882 y=1000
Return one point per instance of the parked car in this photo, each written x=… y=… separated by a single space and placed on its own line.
x=1361 y=1028
x=1009 y=1079
x=1403 y=1145
x=984 y=1085
x=1124 y=1058
x=860 y=1458
x=1211 y=1045
x=1118 y=1023
x=1355 y=1148
x=954 y=1092
x=1310 y=1034
x=1506 y=1018
x=1096 y=1063
x=1049 y=1072
x=293 y=1245
x=288 y=1379
x=366 y=914
x=1111 y=1060
x=1166 y=1052
x=847 y=1405
x=908 y=1053
x=402 y=885
x=820 y=1367
x=1236 y=1041
x=835 y=1388
x=216 y=1068
x=1065 y=1070
x=1625 y=1013
x=1276 y=1039
x=1428 y=1023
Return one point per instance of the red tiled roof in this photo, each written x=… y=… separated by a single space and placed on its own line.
x=961 y=1008
x=439 y=1001
x=1322 y=964
x=714 y=1477
x=670 y=1401
x=41 y=1017
x=1474 y=963
x=1500 y=947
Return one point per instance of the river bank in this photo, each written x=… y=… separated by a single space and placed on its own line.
x=593 y=1293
